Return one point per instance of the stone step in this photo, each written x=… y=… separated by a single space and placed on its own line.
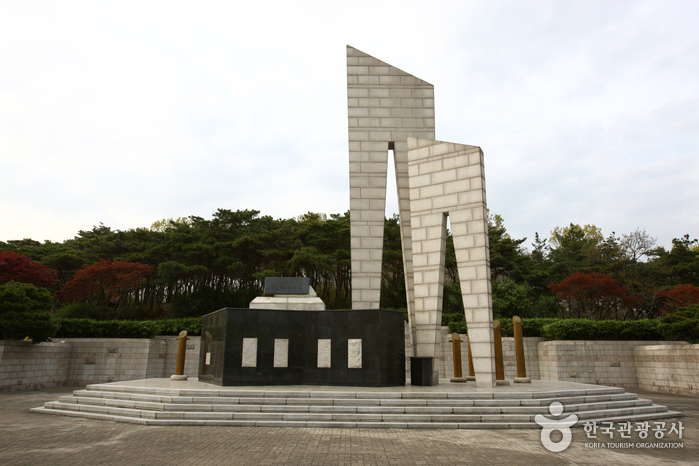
x=411 y=408
x=349 y=406
x=334 y=413
x=339 y=423
x=345 y=400
x=87 y=415
x=338 y=394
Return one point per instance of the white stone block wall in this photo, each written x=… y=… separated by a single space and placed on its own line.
x=595 y=362
x=668 y=368
x=448 y=179
x=385 y=106
x=95 y=360
x=79 y=361
x=25 y=366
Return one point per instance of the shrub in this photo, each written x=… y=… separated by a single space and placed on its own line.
x=583 y=329
x=174 y=326
x=682 y=324
x=88 y=328
x=530 y=327
x=510 y=298
x=23 y=312
x=77 y=310
x=455 y=321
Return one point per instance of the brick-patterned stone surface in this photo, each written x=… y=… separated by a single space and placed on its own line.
x=80 y=361
x=596 y=362
x=671 y=367
x=25 y=366
x=115 y=359
x=668 y=368
x=448 y=179
x=385 y=106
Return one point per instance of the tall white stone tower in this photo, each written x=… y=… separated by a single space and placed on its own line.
x=386 y=106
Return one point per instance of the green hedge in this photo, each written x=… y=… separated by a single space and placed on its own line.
x=88 y=328
x=583 y=329
x=530 y=327
x=681 y=325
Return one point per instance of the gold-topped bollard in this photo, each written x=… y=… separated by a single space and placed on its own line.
x=519 y=352
x=499 y=364
x=471 y=371
x=456 y=351
x=181 y=353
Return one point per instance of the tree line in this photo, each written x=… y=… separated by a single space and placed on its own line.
x=191 y=266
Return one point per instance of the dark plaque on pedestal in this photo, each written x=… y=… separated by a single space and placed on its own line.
x=286 y=285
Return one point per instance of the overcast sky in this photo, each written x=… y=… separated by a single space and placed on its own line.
x=129 y=112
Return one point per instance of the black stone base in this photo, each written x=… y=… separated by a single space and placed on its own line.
x=383 y=347
x=421 y=372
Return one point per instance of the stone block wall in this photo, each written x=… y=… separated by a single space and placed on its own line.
x=448 y=179
x=385 y=105
x=114 y=359
x=531 y=357
x=24 y=366
x=668 y=368
x=595 y=362
x=80 y=361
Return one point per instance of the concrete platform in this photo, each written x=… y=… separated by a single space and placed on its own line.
x=445 y=406
x=29 y=439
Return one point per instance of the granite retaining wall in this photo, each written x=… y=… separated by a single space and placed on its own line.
x=80 y=361
x=670 y=367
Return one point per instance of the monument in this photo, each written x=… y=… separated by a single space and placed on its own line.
x=288 y=338
x=292 y=294
x=292 y=340
x=284 y=339
x=390 y=109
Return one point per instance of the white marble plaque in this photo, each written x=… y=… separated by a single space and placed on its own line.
x=249 y=352
x=208 y=359
x=354 y=354
x=324 y=353
x=281 y=352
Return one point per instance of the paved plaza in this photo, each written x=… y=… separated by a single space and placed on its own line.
x=27 y=438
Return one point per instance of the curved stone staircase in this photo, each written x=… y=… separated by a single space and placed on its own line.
x=350 y=407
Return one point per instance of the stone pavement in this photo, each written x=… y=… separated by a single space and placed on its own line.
x=27 y=438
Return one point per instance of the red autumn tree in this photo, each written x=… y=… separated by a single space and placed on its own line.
x=593 y=295
x=106 y=284
x=20 y=268
x=679 y=296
